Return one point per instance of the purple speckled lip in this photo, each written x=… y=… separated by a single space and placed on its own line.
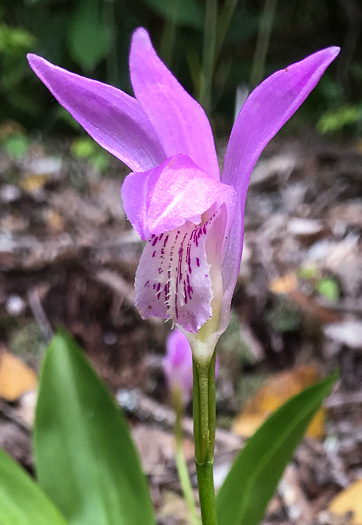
x=165 y=138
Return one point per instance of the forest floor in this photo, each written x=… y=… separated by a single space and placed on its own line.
x=68 y=257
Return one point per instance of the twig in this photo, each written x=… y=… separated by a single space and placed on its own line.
x=39 y=314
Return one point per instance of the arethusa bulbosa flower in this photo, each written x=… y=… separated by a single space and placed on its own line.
x=191 y=216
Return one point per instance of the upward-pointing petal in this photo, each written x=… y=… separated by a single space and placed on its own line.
x=114 y=119
x=266 y=110
x=179 y=121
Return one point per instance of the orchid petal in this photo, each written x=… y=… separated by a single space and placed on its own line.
x=173 y=278
x=165 y=197
x=180 y=122
x=112 y=118
x=266 y=110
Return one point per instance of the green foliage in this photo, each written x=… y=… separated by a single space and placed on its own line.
x=87 y=148
x=336 y=120
x=308 y=272
x=284 y=316
x=16 y=145
x=83 y=147
x=258 y=468
x=85 y=458
x=15 y=40
x=22 y=501
x=90 y=37
x=328 y=287
x=189 y=14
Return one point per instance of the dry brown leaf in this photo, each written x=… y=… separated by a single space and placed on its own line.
x=285 y=284
x=314 y=310
x=34 y=181
x=272 y=395
x=173 y=505
x=15 y=377
x=10 y=127
x=349 y=500
x=55 y=220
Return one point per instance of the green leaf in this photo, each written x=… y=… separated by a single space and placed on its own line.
x=83 y=147
x=22 y=501
x=254 y=476
x=308 y=272
x=15 y=40
x=16 y=146
x=329 y=288
x=337 y=119
x=99 y=160
x=85 y=458
x=189 y=12
x=90 y=37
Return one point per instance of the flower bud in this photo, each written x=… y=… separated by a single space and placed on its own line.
x=177 y=366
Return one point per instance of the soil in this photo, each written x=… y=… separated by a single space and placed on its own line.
x=68 y=257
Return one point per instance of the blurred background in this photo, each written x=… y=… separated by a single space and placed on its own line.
x=252 y=39
x=68 y=255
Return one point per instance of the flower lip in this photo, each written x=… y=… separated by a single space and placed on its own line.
x=166 y=197
x=174 y=278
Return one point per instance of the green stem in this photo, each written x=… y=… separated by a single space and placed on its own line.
x=111 y=60
x=223 y=25
x=204 y=433
x=262 y=44
x=205 y=479
x=169 y=33
x=208 y=55
x=182 y=467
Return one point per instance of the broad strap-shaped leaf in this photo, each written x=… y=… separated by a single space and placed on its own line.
x=22 y=501
x=85 y=458
x=253 y=478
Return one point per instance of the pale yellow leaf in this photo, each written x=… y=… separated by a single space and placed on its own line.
x=34 y=181
x=349 y=500
x=15 y=377
x=285 y=284
x=272 y=395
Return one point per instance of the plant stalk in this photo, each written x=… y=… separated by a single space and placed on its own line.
x=208 y=55
x=204 y=434
x=262 y=44
x=170 y=33
x=181 y=465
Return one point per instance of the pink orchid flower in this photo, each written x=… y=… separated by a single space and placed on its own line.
x=191 y=217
